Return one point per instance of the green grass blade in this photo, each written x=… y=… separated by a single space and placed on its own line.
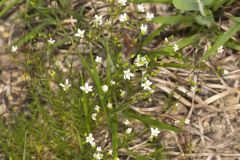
x=187 y=41
x=221 y=40
x=27 y=37
x=152 y=35
x=233 y=45
x=163 y=52
x=173 y=65
x=80 y=142
x=174 y=19
x=219 y=3
x=8 y=7
x=114 y=128
x=168 y=51
x=84 y=99
x=184 y=42
x=94 y=75
x=3 y=2
x=149 y=121
x=24 y=147
x=114 y=119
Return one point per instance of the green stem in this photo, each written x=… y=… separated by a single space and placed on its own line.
x=85 y=108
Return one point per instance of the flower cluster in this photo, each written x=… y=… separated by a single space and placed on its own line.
x=94 y=115
x=186 y=121
x=141 y=61
x=129 y=129
x=128 y=74
x=98 y=20
x=90 y=140
x=98 y=155
x=123 y=17
x=154 y=132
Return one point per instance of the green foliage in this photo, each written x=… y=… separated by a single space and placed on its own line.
x=192 y=5
x=174 y=19
x=149 y=121
x=58 y=121
x=221 y=40
x=152 y=35
x=9 y=6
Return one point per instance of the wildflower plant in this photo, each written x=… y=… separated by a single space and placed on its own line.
x=96 y=85
x=100 y=76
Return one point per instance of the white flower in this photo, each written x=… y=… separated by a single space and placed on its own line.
x=220 y=49
x=97 y=108
x=193 y=88
x=90 y=140
x=98 y=19
x=122 y=93
x=144 y=29
x=99 y=149
x=80 y=33
x=152 y=91
x=146 y=85
x=126 y=122
x=51 y=41
x=141 y=8
x=112 y=82
x=86 y=88
x=127 y=74
x=94 y=116
x=166 y=39
x=176 y=121
x=144 y=72
x=129 y=130
x=110 y=152
x=123 y=17
x=105 y=88
x=98 y=156
x=66 y=85
x=149 y=16
x=98 y=59
x=108 y=22
x=109 y=105
x=209 y=44
x=154 y=132
x=140 y=61
x=175 y=47
x=122 y=2
x=225 y=71
x=14 y=48
x=187 y=121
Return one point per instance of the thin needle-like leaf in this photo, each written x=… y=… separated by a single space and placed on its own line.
x=149 y=121
x=221 y=40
